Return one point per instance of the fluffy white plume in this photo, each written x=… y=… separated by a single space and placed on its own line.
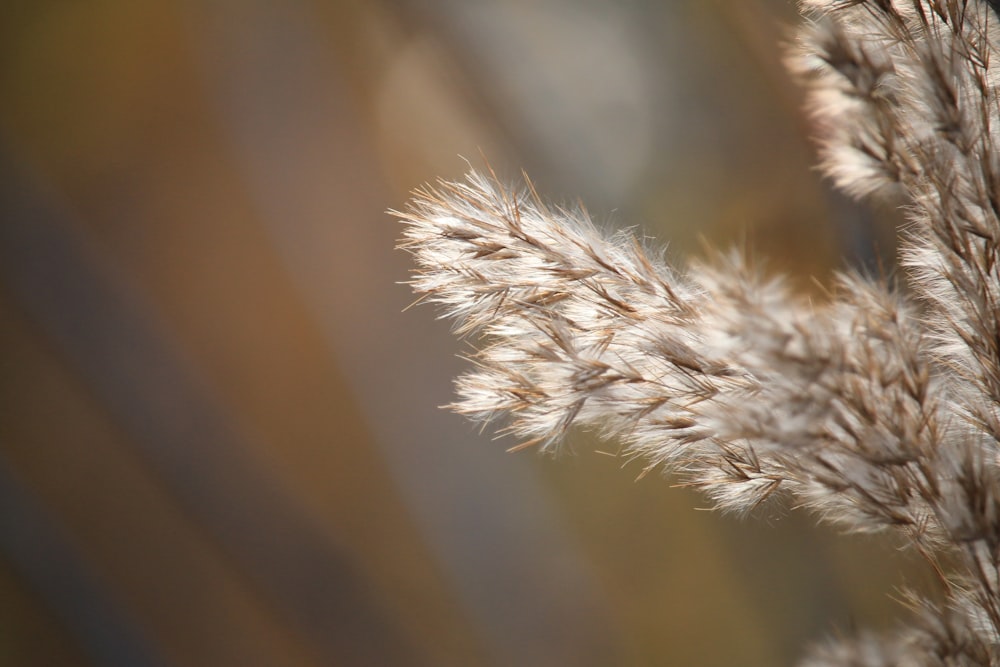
x=875 y=410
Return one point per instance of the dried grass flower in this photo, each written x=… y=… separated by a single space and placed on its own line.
x=878 y=409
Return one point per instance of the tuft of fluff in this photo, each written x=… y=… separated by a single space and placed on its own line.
x=876 y=410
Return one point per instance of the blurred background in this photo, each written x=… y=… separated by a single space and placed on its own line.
x=219 y=435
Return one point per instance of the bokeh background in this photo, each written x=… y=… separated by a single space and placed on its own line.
x=219 y=435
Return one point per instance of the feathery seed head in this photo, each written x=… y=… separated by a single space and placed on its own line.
x=877 y=410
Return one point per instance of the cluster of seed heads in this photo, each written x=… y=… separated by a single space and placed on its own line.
x=879 y=408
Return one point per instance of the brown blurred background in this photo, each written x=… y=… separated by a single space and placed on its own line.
x=219 y=434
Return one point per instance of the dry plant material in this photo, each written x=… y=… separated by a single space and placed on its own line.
x=877 y=409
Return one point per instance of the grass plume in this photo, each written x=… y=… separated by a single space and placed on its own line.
x=878 y=409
